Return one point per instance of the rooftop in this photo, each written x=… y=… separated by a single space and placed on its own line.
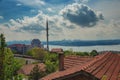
x=26 y=69
x=17 y=45
x=105 y=66
x=71 y=61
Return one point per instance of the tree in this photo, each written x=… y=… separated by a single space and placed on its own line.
x=19 y=77
x=37 y=53
x=51 y=62
x=6 y=61
x=36 y=74
x=18 y=63
x=2 y=56
x=93 y=53
x=51 y=66
x=8 y=64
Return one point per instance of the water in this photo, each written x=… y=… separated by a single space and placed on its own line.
x=88 y=48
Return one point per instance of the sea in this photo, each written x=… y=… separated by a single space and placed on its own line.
x=87 y=48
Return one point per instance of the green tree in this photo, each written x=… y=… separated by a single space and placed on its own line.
x=6 y=61
x=2 y=56
x=36 y=74
x=93 y=53
x=18 y=63
x=51 y=62
x=19 y=77
x=51 y=66
x=8 y=64
x=37 y=53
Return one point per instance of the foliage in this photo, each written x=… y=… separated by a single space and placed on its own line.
x=51 y=66
x=93 y=53
x=51 y=57
x=35 y=74
x=82 y=53
x=68 y=52
x=51 y=62
x=37 y=53
x=18 y=63
x=2 y=56
x=8 y=64
x=19 y=77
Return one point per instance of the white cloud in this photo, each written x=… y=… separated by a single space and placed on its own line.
x=81 y=1
x=81 y=14
x=18 y=4
x=35 y=3
x=59 y=29
x=1 y=17
x=28 y=28
x=50 y=9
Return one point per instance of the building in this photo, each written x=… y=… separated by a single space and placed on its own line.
x=105 y=66
x=56 y=50
x=19 y=48
x=26 y=69
x=36 y=43
x=22 y=48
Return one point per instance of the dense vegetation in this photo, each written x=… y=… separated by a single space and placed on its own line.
x=92 y=53
x=37 y=53
x=8 y=64
x=36 y=73
x=49 y=59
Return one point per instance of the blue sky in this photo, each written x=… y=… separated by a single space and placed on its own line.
x=68 y=19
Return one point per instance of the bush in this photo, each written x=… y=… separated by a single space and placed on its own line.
x=93 y=53
x=51 y=62
x=37 y=53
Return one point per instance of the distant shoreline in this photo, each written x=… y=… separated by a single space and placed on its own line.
x=72 y=42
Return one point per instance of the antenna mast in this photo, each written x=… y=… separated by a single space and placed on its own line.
x=47 y=35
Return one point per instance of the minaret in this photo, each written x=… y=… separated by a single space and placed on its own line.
x=47 y=35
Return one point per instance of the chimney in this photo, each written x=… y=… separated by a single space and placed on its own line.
x=61 y=61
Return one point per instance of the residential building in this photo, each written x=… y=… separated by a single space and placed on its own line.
x=26 y=69
x=23 y=48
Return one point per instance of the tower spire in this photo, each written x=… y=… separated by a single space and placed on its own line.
x=47 y=35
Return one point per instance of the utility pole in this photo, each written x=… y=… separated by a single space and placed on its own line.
x=47 y=35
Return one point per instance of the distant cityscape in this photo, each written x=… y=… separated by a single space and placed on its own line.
x=23 y=48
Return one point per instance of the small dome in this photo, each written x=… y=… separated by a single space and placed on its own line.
x=36 y=43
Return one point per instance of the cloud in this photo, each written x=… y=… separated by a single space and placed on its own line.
x=81 y=15
x=36 y=24
x=81 y=1
x=35 y=3
x=50 y=9
x=62 y=27
x=59 y=29
x=18 y=4
x=29 y=24
x=1 y=17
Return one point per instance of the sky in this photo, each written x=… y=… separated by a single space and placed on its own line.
x=67 y=19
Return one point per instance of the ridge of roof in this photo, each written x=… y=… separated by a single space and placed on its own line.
x=75 y=69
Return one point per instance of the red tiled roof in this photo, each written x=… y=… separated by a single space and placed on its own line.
x=57 y=50
x=16 y=45
x=26 y=69
x=71 y=61
x=105 y=65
